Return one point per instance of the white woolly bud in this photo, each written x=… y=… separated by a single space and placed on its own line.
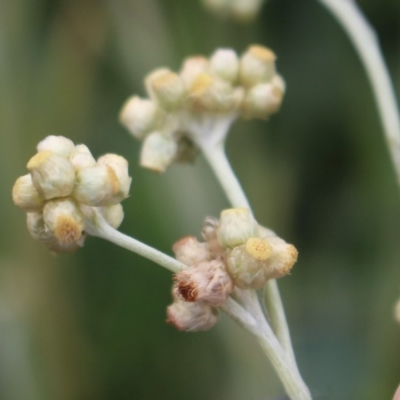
x=57 y=144
x=207 y=282
x=96 y=186
x=283 y=257
x=169 y=90
x=82 y=158
x=257 y=65
x=262 y=100
x=140 y=116
x=120 y=167
x=211 y=94
x=113 y=214
x=190 y=251
x=248 y=264
x=224 y=63
x=52 y=175
x=236 y=226
x=245 y=10
x=25 y=195
x=209 y=234
x=192 y=68
x=149 y=79
x=191 y=317
x=158 y=152
x=64 y=220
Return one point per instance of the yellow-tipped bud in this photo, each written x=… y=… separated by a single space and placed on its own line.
x=82 y=158
x=190 y=251
x=64 y=220
x=25 y=195
x=113 y=214
x=52 y=175
x=158 y=152
x=283 y=257
x=140 y=116
x=191 y=317
x=120 y=167
x=257 y=65
x=96 y=186
x=57 y=144
x=236 y=226
x=169 y=91
x=192 y=68
x=224 y=63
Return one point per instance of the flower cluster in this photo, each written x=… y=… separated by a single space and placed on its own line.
x=241 y=10
x=236 y=252
x=63 y=183
x=183 y=107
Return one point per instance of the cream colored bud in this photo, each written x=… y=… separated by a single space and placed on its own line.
x=120 y=167
x=245 y=10
x=257 y=65
x=140 y=116
x=57 y=144
x=96 y=186
x=169 y=91
x=236 y=226
x=158 y=152
x=209 y=234
x=207 y=282
x=113 y=214
x=224 y=63
x=52 y=175
x=248 y=264
x=25 y=195
x=149 y=79
x=211 y=94
x=82 y=158
x=283 y=257
x=192 y=68
x=190 y=251
x=191 y=317
x=261 y=101
x=64 y=220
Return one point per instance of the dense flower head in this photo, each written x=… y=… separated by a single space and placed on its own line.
x=63 y=181
x=183 y=108
x=236 y=252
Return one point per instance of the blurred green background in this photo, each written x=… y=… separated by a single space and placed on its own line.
x=90 y=326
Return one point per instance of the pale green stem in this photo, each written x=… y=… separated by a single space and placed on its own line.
x=366 y=44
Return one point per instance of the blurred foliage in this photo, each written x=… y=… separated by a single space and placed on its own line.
x=91 y=325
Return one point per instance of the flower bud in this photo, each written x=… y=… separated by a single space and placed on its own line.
x=283 y=257
x=113 y=214
x=190 y=251
x=248 y=264
x=120 y=167
x=211 y=94
x=257 y=65
x=57 y=144
x=169 y=91
x=25 y=195
x=149 y=79
x=191 y=317
x=192 y=68
x=64 y=220
x=236 y=226
x=82 y=158
x=209 y=234
x=261 y=101
x=245 y=10
x=207 y=282
x=140 y=116
x=224 y=63
x=96 y=186
x=158 y=152
x=52 y=175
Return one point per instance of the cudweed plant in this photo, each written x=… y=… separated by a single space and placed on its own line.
x=68 y=195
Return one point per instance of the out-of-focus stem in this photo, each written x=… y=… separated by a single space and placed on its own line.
x=366 y=44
